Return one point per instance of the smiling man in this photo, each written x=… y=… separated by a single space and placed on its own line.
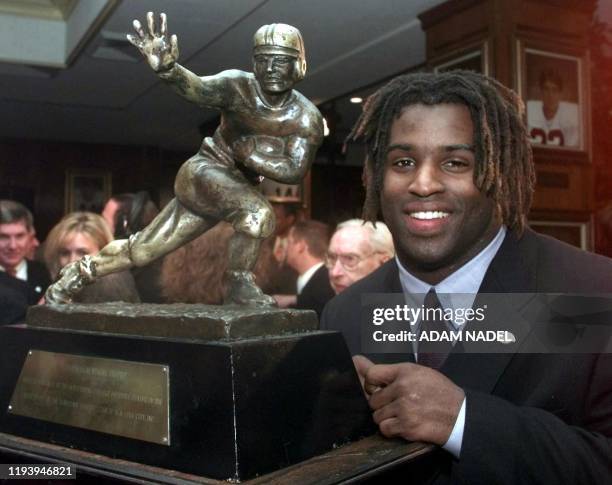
x=25 y=280
x=267 y=129
x=450 y=167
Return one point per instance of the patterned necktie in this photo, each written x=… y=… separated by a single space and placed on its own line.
x=433 y=354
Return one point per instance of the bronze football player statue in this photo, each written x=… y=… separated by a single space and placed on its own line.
x=267 y=129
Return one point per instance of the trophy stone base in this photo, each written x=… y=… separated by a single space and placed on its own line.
x=227 y=393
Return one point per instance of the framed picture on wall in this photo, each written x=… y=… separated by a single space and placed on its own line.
x=552 y=85
x=87 y=190
x=475 y=58
x=577 y=233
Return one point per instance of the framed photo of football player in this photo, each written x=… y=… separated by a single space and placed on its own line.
x=552 y=87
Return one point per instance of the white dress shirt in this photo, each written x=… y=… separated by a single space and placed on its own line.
x=21 y=271
x=304 y=278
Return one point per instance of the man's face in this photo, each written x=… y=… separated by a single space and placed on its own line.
x=437 y=216
x=15 y=239
x=274 y=72
x=350 y=257
x=551 y=96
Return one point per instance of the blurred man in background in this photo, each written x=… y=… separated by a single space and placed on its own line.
x=306 y=249
x=18 y=276
x=356 y=249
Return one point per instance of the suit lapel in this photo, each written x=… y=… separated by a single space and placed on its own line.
x=514 y=267
x=13 y=283
x=513 y=270
x=391 y=284
x=391 y=278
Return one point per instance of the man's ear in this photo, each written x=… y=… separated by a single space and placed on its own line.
x=384 y=258
x=303 y=247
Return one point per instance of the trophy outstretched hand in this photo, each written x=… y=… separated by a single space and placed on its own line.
x=160 y=50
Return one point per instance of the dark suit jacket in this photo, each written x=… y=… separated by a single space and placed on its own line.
x=13 y=301
x=316 y=293
x=16 y=294
x=38 y=281
x=530 y=418
x=35 y=286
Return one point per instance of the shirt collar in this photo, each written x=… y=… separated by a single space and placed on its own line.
x=458 y=290
x=21 y=271
x=304 y=278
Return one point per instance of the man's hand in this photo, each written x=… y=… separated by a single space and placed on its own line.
x=362 y=364
x=285 y=301
x=411 y=401
x=161 y=52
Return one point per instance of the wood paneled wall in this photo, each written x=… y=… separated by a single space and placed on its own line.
x=35 y=172
x=574 y=186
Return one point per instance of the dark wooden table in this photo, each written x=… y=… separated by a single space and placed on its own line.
x=353 y=463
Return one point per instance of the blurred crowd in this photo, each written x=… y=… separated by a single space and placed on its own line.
x=303 y=264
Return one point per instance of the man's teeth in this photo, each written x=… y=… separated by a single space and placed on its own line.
x=429 y=215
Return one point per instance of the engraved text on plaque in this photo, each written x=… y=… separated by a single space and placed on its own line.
x=109 y=395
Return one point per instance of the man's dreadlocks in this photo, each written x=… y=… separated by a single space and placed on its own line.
x=504 y=168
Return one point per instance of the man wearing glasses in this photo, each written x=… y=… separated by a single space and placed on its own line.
x=356 y=249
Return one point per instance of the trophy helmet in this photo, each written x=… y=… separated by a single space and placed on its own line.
x=281 y=39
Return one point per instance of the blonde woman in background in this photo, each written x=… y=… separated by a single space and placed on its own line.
x=79 y=234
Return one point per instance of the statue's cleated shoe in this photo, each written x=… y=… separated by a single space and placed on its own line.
x=242 y=290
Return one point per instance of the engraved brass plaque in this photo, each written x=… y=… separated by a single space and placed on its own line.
x=109 y=395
